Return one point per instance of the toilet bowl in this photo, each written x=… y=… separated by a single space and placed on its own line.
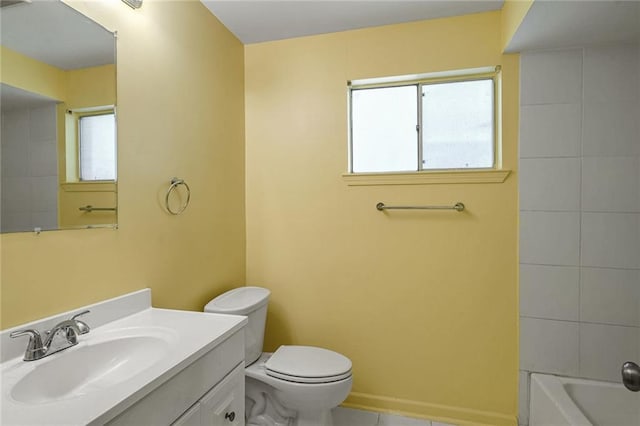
x=309 y=403
x=293 y=386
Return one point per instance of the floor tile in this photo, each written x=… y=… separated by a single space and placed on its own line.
x=394 y=420
x=351 y=417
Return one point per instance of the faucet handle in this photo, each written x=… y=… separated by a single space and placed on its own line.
x=83 y=327
x=80 y=314
x=35 y=349
x=28 y=332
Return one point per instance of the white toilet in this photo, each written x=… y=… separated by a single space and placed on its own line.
x=293 y=386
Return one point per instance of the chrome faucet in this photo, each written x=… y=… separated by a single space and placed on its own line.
x=68 y=330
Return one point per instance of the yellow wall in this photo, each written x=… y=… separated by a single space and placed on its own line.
x=424 y=303
x=28 y=74
x=180 y=113
x=91 y=87
x=81 y=88
x=513 y=13
x=96 y=194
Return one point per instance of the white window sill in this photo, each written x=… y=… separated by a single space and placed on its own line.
x=96 y=186
x=426 y=177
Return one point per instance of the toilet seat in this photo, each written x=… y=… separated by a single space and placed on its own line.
x=308 y=364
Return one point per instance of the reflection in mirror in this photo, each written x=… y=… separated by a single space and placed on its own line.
x=58 y=129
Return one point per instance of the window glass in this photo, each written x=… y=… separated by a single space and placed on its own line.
x=97 y=147
x=383 y=132
x=457 y=125
x=424 y=122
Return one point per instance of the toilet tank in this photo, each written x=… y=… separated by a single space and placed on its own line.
x=251 y=302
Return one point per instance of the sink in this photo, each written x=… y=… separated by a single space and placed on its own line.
x=130 y=357
x=93 y=365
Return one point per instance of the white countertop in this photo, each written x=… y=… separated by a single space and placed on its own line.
x=192 y=334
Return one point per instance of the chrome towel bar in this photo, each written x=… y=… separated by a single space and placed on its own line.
x=89 y=208
x=457 y=207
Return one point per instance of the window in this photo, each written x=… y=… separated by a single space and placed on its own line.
x=97 y=146
x=429 y=123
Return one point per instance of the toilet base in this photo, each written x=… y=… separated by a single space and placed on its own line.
x=264 y=409
x=316 y=418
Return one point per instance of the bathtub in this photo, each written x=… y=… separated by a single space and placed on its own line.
x=560 y=401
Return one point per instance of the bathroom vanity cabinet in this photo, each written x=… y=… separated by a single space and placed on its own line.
x=209 y=392
x=221 y=406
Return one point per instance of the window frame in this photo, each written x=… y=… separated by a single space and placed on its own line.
x=420 y=80
x=85 y=114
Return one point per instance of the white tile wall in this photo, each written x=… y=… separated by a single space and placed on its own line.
x=15 y=222
x=43 y=158
x=610 y=296
x=29 y=169
x=580 y=213
x=550 y=292
x=45 y=220
x=610 y=128
x=550 y=238
x=15 y=128
x=604 y=348
x=41 y=121
x=611 y=73
x=16 y=194
x=550 y=184
x=551 y=130
x=611 y=184
x=551 y=77
x=15 y=160
x=611 y=240
x=550 y=346
x=44 y=193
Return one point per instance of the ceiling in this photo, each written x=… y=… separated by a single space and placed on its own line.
x=547 y=25
x=56 y=34
x=557 y=24
x=14 y=98
x=255 y=21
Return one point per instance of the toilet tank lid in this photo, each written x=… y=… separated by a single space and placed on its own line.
x=239 y=301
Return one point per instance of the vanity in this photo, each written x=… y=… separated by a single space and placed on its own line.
x=138 y=365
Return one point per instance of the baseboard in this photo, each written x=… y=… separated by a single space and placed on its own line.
x=442 y=413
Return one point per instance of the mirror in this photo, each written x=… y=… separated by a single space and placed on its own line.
x=58 y=138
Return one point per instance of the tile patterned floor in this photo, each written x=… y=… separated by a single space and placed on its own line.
x=351 y=417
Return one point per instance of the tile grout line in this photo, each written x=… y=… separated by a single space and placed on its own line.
x=554 y=265
x=581 y=204
x=579 y=322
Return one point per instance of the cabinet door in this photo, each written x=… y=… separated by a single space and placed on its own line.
x=193 y=417
x=224 y=404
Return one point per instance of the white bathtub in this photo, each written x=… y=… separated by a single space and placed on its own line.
x=560 y=401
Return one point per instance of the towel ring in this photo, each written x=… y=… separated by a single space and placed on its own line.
x=175 y=182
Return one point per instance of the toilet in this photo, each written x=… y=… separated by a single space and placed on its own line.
x=293 y=386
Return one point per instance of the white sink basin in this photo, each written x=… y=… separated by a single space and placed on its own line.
x=93 y=365
x=131 y=351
